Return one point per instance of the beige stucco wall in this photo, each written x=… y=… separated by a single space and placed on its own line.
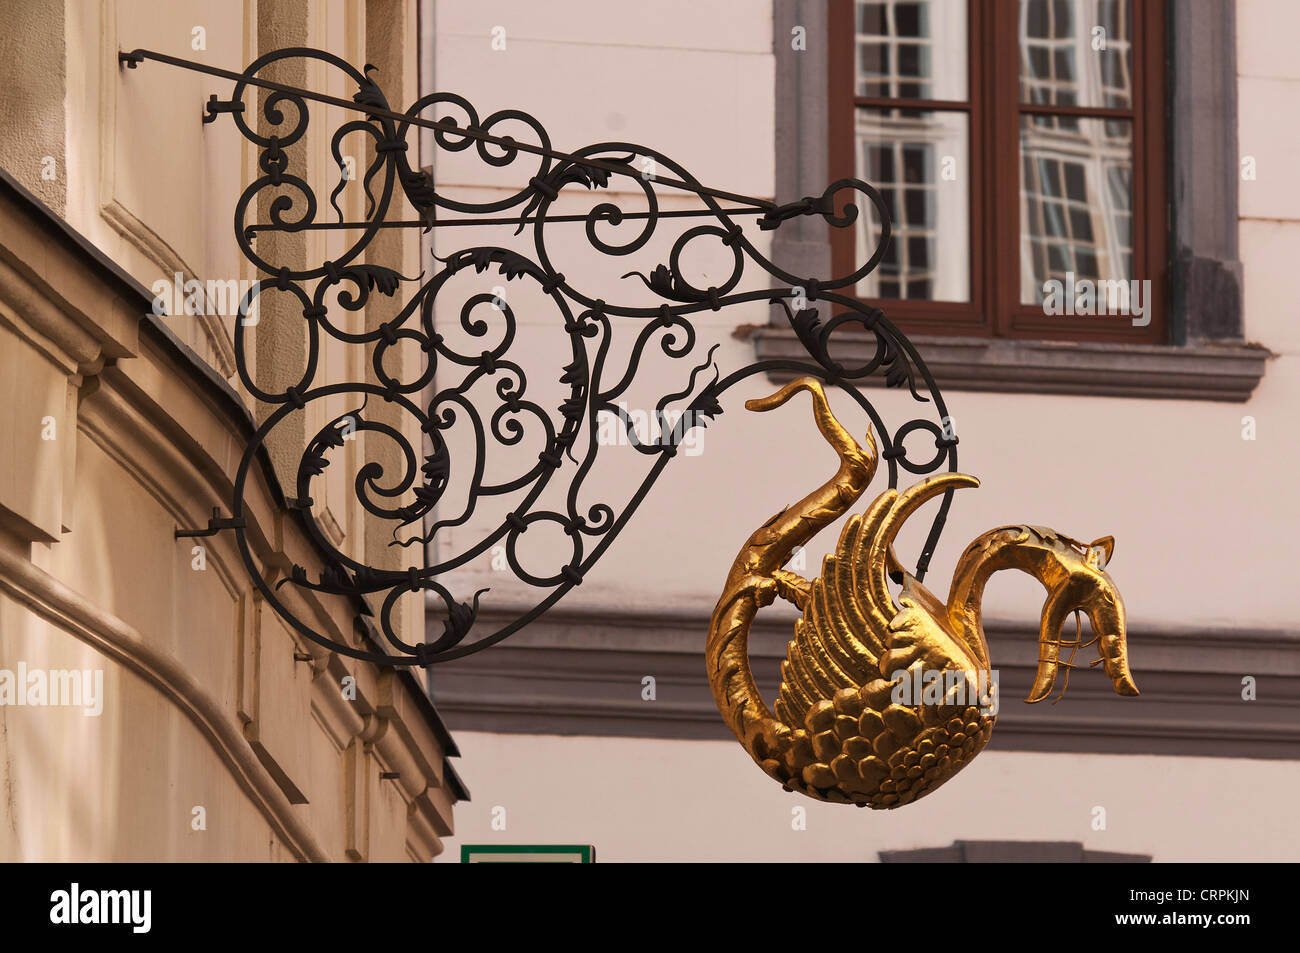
x=208 y=700
x=1201 y=516
x=31 y=110
x=110 y=442
x=217 y=732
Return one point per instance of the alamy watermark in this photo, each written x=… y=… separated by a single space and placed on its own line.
x=636 y=427
x=1087 y=297
x=211 y=297
x=53 y=688
x=133 y=908
x=918 y=686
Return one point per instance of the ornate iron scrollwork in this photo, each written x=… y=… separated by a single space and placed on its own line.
x=594 y=378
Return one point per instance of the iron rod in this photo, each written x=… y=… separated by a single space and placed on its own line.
x=475 y=134
x=445 y=223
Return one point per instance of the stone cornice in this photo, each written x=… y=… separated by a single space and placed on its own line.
x=580 y=671
x=70 y=293
x=179 y=431
x=1201 y=371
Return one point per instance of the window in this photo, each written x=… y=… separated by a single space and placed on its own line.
x=1019 y=148
x=1010 y=852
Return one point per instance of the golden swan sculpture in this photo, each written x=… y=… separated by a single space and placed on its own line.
x=848 y=725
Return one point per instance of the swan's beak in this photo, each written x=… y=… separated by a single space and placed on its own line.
x=1107 y=618
x=1094 y=594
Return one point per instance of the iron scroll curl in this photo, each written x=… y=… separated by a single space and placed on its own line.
x=414 y=501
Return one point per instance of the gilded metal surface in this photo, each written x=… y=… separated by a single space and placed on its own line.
x=853 y=722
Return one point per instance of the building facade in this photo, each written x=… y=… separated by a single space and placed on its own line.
x=154 y=706
x=1092 y=215
x=1155 y=434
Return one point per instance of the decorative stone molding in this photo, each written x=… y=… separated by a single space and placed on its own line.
x=578 y=671
x=161 y=254
x=59 y=605
x=57 y=328
x=802 y=246
x=1205 y=273
x=126 y=223
x=1217 y=371
x=159 y=437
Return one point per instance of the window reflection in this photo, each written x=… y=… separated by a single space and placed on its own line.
x=918 y=161
x=1076 y=205
x=1075 y=53
x=911 y=49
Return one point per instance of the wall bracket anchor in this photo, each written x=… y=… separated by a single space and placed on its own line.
x=215 y=525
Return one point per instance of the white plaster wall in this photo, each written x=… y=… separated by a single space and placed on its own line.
x=639 y=799
x=1195 y=509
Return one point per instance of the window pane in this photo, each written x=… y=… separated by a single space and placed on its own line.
x=1076 y=203
x=918 y=161
x=913 y=49
x=1076 y=53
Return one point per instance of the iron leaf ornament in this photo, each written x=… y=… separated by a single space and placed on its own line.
x=398 y=193
x=273 y=117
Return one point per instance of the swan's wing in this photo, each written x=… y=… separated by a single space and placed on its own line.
x=845 y=628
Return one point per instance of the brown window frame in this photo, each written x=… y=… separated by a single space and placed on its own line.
x=994 y=107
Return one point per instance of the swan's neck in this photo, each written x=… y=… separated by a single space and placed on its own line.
x=1010 y=547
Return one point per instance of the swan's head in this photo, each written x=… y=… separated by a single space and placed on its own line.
x=1078 y=583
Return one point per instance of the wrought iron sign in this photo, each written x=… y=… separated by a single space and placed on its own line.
x=852 y=629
